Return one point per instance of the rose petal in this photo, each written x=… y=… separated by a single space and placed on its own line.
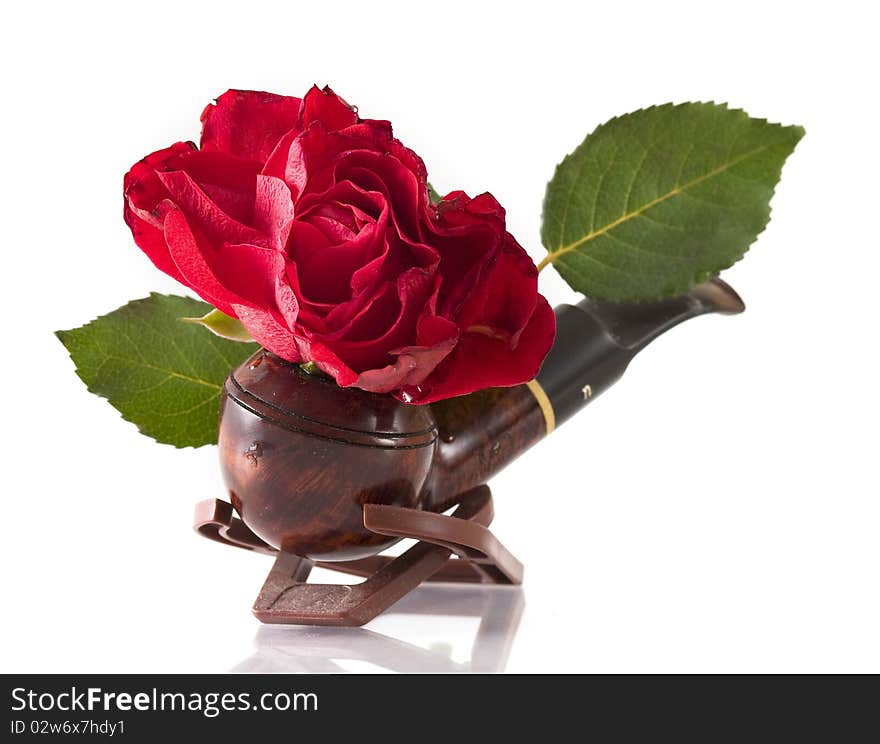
x=142 y=193
x=141 y=187
x=479 y=361
x=274 y=211
x=337 y=270
x=248 y=123
x=325 y=106
x=374 y=171
x=269 y=331
x=327 y=361
x=383 y=322
x=498 y=301
x=188 y=251
x=300 y=157
x=250 y=272
x=311 y=315
x=216 y=224
x=151 y=240
x=467 y=234
x=229 y=182
x=437 y=338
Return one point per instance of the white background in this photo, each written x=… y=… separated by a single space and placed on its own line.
x=715 y=511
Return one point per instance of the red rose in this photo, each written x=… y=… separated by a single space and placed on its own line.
x=314 y=227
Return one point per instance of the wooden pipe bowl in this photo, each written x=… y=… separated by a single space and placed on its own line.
x=302 y=456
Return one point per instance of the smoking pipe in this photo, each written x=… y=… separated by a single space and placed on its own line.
x=302 y=456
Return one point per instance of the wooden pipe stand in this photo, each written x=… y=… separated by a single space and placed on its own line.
x=454 y=548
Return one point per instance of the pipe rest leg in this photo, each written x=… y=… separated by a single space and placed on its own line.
x=287 y=598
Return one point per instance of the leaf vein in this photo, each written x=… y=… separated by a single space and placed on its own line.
x=553 y=255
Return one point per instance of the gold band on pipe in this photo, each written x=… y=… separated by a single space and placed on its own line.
x=543 y=403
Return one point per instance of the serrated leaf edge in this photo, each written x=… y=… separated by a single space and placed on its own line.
x=60 y=334
x=549 y=258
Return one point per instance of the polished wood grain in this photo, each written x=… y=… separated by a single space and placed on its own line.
x=479 y=435
x=302 y=456
x=300 y=481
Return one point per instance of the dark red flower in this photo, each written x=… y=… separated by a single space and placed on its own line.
x=314 y=227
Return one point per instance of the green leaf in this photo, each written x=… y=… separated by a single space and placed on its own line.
x=163 y=375
x=310 y=368
x=658 y=200
x=435 y=197
x=220 y=324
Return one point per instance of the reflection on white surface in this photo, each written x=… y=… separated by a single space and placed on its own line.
x=421 y=633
